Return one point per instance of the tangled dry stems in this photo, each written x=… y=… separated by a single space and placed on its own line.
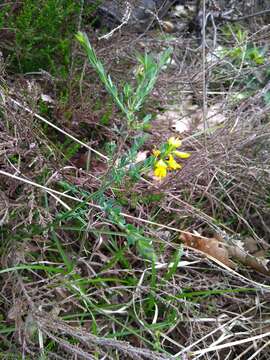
x=228 y=173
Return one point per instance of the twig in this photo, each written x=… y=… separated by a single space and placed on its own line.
x=259 y=13
x=53 y=324
x=125 y=20
x=204 y=74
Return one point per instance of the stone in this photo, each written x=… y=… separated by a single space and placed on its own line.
x=142 y=13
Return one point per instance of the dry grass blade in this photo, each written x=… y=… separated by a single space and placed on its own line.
x=100 y=259
x=230 y=344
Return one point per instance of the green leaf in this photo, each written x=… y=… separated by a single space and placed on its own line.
x=267 y=98
x=145 y=248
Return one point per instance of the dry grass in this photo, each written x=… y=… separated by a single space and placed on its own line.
x=71 y=286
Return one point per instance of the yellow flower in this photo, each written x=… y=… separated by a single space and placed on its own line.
x=160 y=169
x=174 y=142
x=156 y=152
x=182 y=155
x=172 y=164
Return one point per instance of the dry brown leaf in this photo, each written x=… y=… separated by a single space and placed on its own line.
x=170 y=118
x=217 y=249
x=210 y=246
x=141 y=156
x=250 y=245
x=189 y=118
x=181 y=125
x=256 y=263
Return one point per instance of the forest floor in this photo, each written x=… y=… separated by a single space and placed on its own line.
x=100 y=258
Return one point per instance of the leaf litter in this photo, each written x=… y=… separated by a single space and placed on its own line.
x=227 y=254
x=193 y=319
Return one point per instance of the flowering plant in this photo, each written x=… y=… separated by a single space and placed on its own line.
x=165 y=157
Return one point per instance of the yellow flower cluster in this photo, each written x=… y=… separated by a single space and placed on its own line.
x=164 y=159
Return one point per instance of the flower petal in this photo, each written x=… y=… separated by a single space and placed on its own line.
x=174 y=142
x=156 y=152
x=182 y=155
x=160 y=170
x=161 y=163
x=172 y=164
